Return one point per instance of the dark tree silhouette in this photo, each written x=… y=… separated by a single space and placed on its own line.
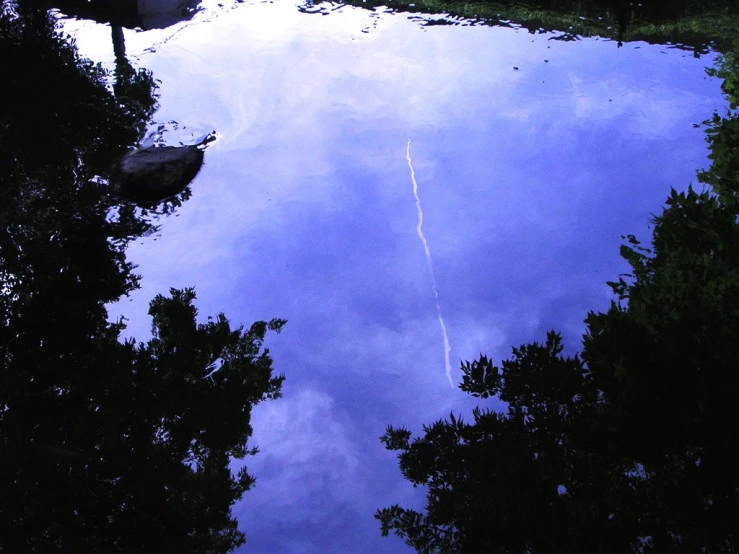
x=633 y=444
x=105 y=445
x=125 y=447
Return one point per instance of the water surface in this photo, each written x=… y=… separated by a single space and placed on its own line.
x=531 y=158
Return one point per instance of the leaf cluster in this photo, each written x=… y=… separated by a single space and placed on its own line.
x=722 y=133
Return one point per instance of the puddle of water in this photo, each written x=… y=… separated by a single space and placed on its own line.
x=530 y=159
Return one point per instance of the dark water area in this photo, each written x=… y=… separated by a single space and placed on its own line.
x=407 y=195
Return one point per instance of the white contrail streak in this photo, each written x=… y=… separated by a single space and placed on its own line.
x=419 y=230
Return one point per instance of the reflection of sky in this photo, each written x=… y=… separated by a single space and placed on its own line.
x=305 y=210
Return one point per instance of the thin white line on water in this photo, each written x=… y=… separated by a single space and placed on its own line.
x=419 y=231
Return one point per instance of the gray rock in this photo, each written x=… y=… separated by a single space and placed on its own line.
x=156 y=173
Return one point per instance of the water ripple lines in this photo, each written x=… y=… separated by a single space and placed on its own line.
x=427 y=251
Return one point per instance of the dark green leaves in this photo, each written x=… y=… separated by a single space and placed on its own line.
x=722 y=135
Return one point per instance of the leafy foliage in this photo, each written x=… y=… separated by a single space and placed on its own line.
x=689 y=24
x=723 y=132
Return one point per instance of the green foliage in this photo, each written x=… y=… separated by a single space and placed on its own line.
x=723 y=134
x=727 y=65
x=688 y=24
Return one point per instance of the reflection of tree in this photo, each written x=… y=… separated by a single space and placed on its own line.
x=61 y=127
x=723 y=132
x=81 y=111
x=145 y=14
x=104 y=445
x=690 y=23
x=630 y=446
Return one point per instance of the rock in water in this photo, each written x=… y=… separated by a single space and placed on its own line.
x=155 y=174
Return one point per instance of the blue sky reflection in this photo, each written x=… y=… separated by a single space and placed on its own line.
x=305 y=210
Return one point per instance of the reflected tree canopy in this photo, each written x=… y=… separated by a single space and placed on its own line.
x=629 y=446
x=723 y=132
x=105 y=445
x=111 y=445
x=125 y=13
